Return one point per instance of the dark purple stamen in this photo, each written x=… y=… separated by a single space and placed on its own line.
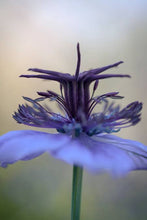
x=78 y=104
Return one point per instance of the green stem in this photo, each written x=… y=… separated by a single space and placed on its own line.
x=76 y=192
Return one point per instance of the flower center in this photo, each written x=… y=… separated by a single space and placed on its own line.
x=78 y=104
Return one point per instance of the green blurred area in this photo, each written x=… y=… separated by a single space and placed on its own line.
x=37 y=191
x=44 y=34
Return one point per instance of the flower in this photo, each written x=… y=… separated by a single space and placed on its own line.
x=84 y=138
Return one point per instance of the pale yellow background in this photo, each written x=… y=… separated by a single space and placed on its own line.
x=44 y=34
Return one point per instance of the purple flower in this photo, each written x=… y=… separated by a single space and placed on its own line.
x=84 y=138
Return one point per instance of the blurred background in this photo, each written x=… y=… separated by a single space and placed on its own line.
x=44 y=34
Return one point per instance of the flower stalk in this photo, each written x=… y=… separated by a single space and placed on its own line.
x=76 y=192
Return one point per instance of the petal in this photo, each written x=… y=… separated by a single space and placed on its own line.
x=27 y=144
x=104 y=153
x=97 y=153
x=135 y=150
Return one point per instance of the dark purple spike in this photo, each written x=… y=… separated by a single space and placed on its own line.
x=94 y=77
x=117 y=97
x=95 y=85
x=53 y=93
x=43 y=94
x=94 y=88
x=48 y=94
x=54 y=78
x=100 y=69
x=61 y=90
x=78 y=61
x=49 y=72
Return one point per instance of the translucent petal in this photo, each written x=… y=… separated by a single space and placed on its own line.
x=134 y=149
x=98 y=153
x=27 y=144
x=104 y=153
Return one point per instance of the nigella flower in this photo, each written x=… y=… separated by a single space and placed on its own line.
x=83 y=138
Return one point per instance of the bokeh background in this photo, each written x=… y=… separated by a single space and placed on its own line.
x=44 y=34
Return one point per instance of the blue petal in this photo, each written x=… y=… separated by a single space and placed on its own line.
x=27 y=144
x=135 y=150
x=97 y=153
x=104 y=153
